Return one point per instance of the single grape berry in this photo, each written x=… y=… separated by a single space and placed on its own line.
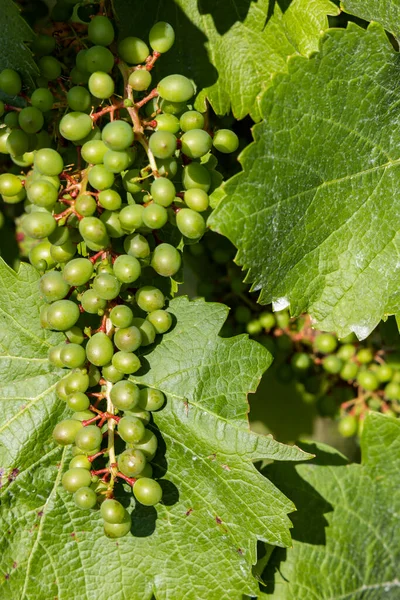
x=166 y=260
x=139 y=80
x=226 y=141
x=62 y=315
x=117 y=135
x=325 y=343
x=162 y=144
x=151 y=399
x=190 y=223
x=133 y=50
x=131 y=462
x=348 y=426
x=196 y=143
x=176 y=88
x=161 y=37
x=131 y=429
x=10 y=82
x=64 y=433
x=101 y=31
x=74 y=479
x=85 y=498
x=99 y=349
x=117 y=530
x=88 y=438
x=125 y=395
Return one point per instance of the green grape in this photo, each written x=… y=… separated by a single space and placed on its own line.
x=155 y=216
x=136 y=245
x=110 y=199
x=132 y=181
x=43 y=44
x=147 y=491
x=93 y=230
x=300 y=362
x=117 y=135
x=146 y=329
x=112 y=511
x=92 y=303
x=73 y=356
x=93 y=152
x=79 y=77
x=112 y=223
x=282 y=319
x=75 y=125
x=392 y=391
x=349 y=339
x=30 y=119
x=148 y=445
x=63 y=314
x=10 y=82
x=17 y=142
x=196 y=176
x=332 y=364
x=131 y=462
x=349 y=371
x=348 y=426
x=139 y=80
x=101 y=31
x=151 y=399
x=99 y=349
x=85 y=205
x=77 y=381
x=384 y=373
x=131 y=217
x=365 y=355
x=101 y=85
x=254 y=327
x=196 y=199
x=121 y=316
x=126 y=362
x=39 y=254
x=50 y=67
x=88 y=438
x=346 y=352
x=176 y=88
x=53 y=287
x=131 y=429
x=172 y=108
x=98 y=58
x=61 y=389
x=118 y=530
x=106 y=286
x=161 y=37
x=80 y=461
x=42 y=99
x=116 y=162
x=162 y=144
x=163 y=191
x=80 y=60
x=85 y=498
x=190 y=223
x=161 y=320
x=267 y=320
x=112 y=374
x=368 y=380
x=10 y=184
x=167 y=122
x=54 y=356
x=64 y=433
x=94 y=376
x=48 y=162
x=196 y=143
x=128 y=338
x=78 y=271
x=325 y=343
x=100 y=178
x=75 y=335
x=74 y=479
x=149 y=298
x=166 y=260
x=191 y=119
x=11 y=119
x=133 y=50
x=79 y=99
x=167 y=167
x=127 y=268
x=78 y=401
x=226 y=141
x=64 y=252
x=143 y=415
x=125 y=395
x=42 y=193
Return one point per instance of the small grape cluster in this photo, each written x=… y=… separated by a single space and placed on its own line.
x=108 y=238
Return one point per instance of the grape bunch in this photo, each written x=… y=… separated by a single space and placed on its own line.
x=115 y=179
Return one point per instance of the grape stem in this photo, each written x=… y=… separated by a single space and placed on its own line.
x=110 y=429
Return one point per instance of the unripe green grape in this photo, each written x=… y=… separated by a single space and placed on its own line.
x=117 y=135
x=38 y=225
x=196 y=143
x=131 y=217
x=125 y=395
x=346 y=352
x=42 y=193
x=121 y=316
x=112 y=511
x=101 y=85
x=74 y=479
x=112 y=223
x=43 y=44
x=127 y=268
x=49 y=67
x=283 y=319
x=118 y=530
x=191 y=119
x=73 y=356
x=254 y=327
x=94 y=376
x=167 y=167
x=53 y=287
x=147 y=472
x=384 y=373
x=98 y=58
x=64 y=433
x=162 y=144
x=128 y=338
x=166 y=260
x=78 y=271
x=48 y=162
x=136 y=245
x=196 y=176
x=133 y=50
x=85 y=205
x=348 y=426
x=172 y=108
x=79 y=77
x=101 y=31
x=93 y=152
x=161 y=320
x=147 y=491
x=61 y=389
x=63 y=314
x=163 y=191
x=196 y=199
x=126 y=362
x=151 y=399
x=116 y=162
x=131 y=462
x=100 y=178
x=166 y=122
x=149 y=298
x=190 y=223
x=332 y=364
x=155 y=216
x=161 y=37
x=146 y=329
x=325 y=343
x=63 y=252
x=92 y=303
x=79 y=99
x=132 y=181
x=300 y=362
x=78 y=401
x=42 y=99
x=10 y=184
x=365 y=355
x=77 y=381
x=54 y=356
x=139 y=80
x=88 y=438
x=226 y=141
x=112 y=374
x=349 y=371
x=85 y=498
x=75 y=335
x=148 y=445
x=11 y=119
x=99 y=349
x=80 y=461
x=392 y=391
x=106 y=286
x=131 y=429
x=110 y=199
x=39 y=254
x=176 y=88
x=17 y=142
x=93 y=230
x=10 y=82
x=75 y=125
x=368 y=380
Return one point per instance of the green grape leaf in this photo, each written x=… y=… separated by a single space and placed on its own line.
x=261 y=33
x=14 y=54
x=386 y=12
x=201 y=541
x=344 y=537
x=312 y=214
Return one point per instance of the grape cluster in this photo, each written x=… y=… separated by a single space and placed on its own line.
x=115 y=179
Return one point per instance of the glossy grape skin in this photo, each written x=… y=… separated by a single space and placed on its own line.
x=149 y=298
x=133 y=50
x=10 y=184
x=117 y=135
x=325 y=343
x=162 y=144
x=94 y=230
x=63 y=314
x=92 y=303
x=368 y=380
x=176 y=88
x=101 y=85
x=348 y=426
x=43 y=99
x=118 y=530
x=110 y=199
x=85 y=498
x=147 y=491
x=190 y=223
x=161 y=320
x=126 y=362
x=77 y=381
x=365 y=356
x=166 y=260
x=43 y=193
x=106 y=286
x=161 y=37
x=118 y=161
x=131 y=429
x=64 y=432
x=10 y=82
x=88 y=438
x=38 y=225
x=332 y=364
x=100 y=178
x=121 y=316
x=146 y=329
x=196 y=143
x=112 y=374
x=346 y=351
x=127 y=268
x=163 y=191
x=78 y=271
x=137 y=245
x=140 y=80
x=128 y=338
x=78 y=401
x=226 y=141
x=196 y=199
x=93 y=152
x=151 y=399
x=48 y=162
x=75 y=125
x=125 y=395
x=50 y=67
x=112 y=511
x=131 y=462
x=148 y=445
x=155 y=216
x=167 y=167
x=349 y=371
x=384 y=373
x=79 y=99
x=54 y=355
x=98 y=58
x=196 y=176
x=85 y=205
x=63 y=252
x=73 y=356
x=75 y=335
x=53 y=287
x=41 y=254
x=101 y=31
x=191 y=119
x=73 y=479
x=166 y=122
x=112 y=223
x=99 y=349
x=80 y=461
x=131 y=217
x=17 y=142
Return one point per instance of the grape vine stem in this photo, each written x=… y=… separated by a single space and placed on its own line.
x=110 y=428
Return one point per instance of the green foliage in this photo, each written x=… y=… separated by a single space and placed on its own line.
x=386 y=12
